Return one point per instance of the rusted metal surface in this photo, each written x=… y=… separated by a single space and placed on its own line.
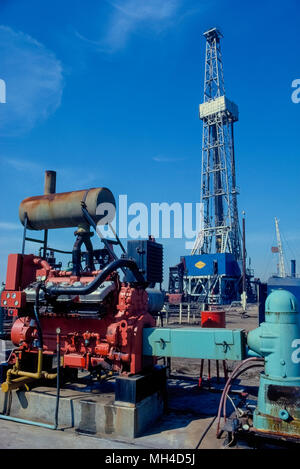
x=276 y=431
x=64 y=210
x=284 y=396
x=275 y=425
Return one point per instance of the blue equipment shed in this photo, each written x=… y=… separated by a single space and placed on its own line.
x=212 y=264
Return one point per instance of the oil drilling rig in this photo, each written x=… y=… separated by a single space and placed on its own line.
x=213 y=272
x=74 y=328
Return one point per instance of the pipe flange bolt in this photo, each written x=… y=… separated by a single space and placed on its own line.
x=283 y=414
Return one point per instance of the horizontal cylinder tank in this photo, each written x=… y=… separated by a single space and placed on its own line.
x=64 y=210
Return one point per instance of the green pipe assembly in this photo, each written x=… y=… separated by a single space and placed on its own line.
x=276 y=342
x=41 y=424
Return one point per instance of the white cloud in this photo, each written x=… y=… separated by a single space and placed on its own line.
x=8 y=226
x=21 y=165
x=165 y=159
x=129 y=15
x=34 y=82
x=146 y=10
x=66 y=175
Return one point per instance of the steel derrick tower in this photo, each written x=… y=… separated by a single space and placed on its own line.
x=215 y=270
x=220 y=232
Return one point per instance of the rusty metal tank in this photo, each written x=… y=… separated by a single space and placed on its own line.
x=64 y=210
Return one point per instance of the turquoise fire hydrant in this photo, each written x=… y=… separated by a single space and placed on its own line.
x=278 y=341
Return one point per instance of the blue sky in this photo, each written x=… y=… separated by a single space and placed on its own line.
x=106 y=93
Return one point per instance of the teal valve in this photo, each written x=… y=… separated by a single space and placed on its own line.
x=278 y=341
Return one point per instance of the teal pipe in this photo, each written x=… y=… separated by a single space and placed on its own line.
x=28 y=422
x=205 y=343
x=250 y=353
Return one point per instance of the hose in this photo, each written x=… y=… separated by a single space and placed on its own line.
x=236 y=372
x=28 y=422
x=236 y=376
x=206 y=431
x=82 y=238
x=227 y=386
x=100 y=278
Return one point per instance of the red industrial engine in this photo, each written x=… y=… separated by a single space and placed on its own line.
x=97 y=318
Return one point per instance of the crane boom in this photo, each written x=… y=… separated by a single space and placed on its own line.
x=281 y=268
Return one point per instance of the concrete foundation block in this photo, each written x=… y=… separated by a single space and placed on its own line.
x=86 y=412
